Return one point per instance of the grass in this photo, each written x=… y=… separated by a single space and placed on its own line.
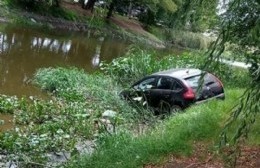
x=183 y=39
x=69 y=117
x=131 y=67
x=79 y=100
x=173 y=136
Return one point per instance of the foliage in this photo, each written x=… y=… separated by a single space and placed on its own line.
x=8 y=104
x=43 y=127
x=187 y=39
x=50 y=125
x=240 y=27
x=45 y=8
x=133 y=66
x=138 y=63
x=62 y=81
x=173 y=136
x=187 y=15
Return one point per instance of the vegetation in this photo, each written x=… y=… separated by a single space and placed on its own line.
x=175 y=135
x=131 y=67
x=166 y=12
x=240 y=28
x=78 y=105
x=75 y=110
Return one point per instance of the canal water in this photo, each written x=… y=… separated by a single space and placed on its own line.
x=24 y=50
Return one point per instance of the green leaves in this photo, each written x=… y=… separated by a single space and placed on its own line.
x=8 y=104
x=168 y=5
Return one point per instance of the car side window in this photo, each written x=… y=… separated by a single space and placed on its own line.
x=146 y=84
x=177 y=87
x=165 y=83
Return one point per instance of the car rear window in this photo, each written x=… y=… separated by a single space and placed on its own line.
x=193 y=81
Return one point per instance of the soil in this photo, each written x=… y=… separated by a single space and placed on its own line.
x=201 y=157
x=129 y=24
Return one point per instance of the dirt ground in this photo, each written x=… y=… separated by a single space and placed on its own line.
x=249 y=157
x=128 y=24
x=131 y=25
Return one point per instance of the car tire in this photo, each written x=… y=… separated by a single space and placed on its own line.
x=175 y=109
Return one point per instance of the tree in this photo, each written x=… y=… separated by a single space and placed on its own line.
x=241 y=26
x=111 y=8
x=90 y=5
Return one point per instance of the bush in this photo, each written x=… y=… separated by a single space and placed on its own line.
x=99 y=92
x=138 y=63
x=173 y=136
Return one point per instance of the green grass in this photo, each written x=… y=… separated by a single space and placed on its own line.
x=180 y=38
x=79 y=99
x=73 y=85
x=137 y=63
x=173 y=136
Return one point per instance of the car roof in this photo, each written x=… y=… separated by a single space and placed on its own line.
x=180 y=73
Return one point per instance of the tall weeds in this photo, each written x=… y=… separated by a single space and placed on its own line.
x=175 y=135
x=137 y=63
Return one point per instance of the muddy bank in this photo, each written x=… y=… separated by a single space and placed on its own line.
x=122 y=32
x=59 y=23
x=56 y=23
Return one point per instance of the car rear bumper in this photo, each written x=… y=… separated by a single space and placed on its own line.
x=220 y=96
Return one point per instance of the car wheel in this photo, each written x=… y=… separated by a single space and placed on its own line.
x=175 y=109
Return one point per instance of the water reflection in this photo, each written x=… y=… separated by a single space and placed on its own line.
x=6 y=122
x=23 y=51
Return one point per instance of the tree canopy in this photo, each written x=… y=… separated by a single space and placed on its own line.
x=240 y=26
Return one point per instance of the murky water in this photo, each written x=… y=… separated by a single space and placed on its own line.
x=23 y=51
x=7 y=120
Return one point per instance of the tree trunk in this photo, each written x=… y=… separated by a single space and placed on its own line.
x=56 y=3
x=111 y=8
x=90 y=5
x=82 y=3
x=130 y=9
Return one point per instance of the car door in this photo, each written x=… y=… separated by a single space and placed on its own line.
x=144 y=87
x=163 y=91
x=168 y=92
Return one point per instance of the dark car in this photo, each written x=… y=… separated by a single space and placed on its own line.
x=175 y=89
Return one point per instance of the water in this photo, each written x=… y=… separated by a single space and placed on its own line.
x=24 y=50
x=8 y=122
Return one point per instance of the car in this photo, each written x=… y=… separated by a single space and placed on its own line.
x=175 y=89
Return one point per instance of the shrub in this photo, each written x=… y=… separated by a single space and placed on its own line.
x=173 y=136
x=137 y=63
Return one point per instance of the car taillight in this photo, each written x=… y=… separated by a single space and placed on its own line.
x=189 y=94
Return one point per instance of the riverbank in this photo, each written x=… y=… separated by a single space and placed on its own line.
x=82 y=20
